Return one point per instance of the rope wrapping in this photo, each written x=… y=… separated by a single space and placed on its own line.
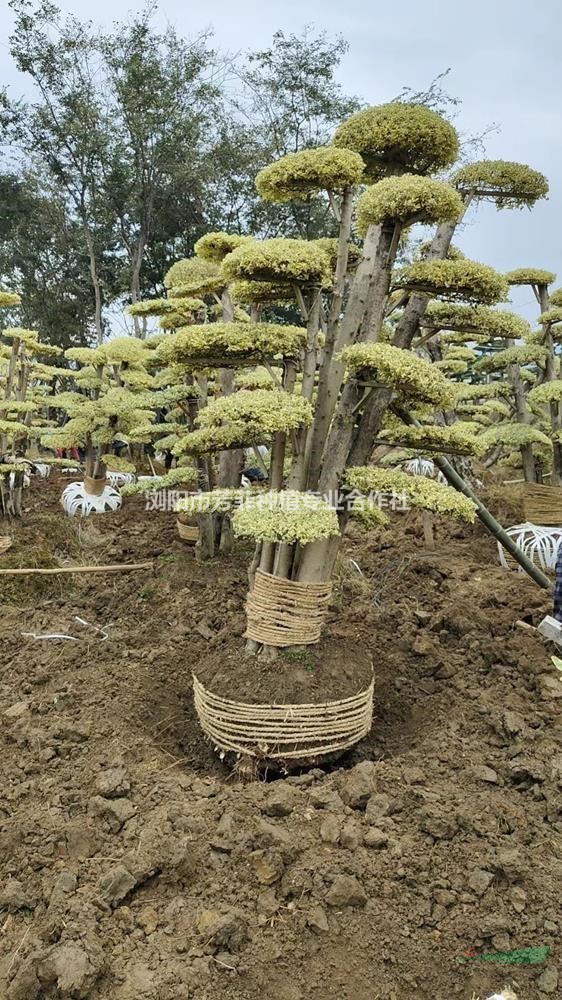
x=542 y=504
x=282 y=612
x=284 y=731
x=188 y=532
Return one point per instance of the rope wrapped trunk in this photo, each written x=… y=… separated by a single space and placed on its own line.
x=283 y=612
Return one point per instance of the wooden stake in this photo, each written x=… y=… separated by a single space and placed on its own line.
x=112 y=568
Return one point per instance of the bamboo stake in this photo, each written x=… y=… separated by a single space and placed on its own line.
x=488 y=520
x=112 y=568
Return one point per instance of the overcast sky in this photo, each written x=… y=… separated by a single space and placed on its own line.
x=505 y=65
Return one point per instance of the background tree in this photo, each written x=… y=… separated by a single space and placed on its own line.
x=42 y=254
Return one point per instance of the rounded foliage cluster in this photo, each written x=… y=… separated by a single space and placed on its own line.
x=28 y=337
x=149 y=307
x=551 y=317
x=279 y=260
x=246 y=416
x=475 y=319
x=513 y=435
x=454 y=279
x=400 y=370
x=287 y=516
x=523 y=354
x=482 y=390
x=530 y=276
x=420 y=491
x=258 y=292
x=508 y=184
x=228 y=344
x=399 y=137
x=548 y=392
x=193 y=276
x=434 y=439
x=298 y=175
x=556 y=297
x=214 y=247
x=407 y=199
x=9 y=299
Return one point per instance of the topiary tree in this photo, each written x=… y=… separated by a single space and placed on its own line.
x=24 y=398
x=111 y=399
x=353 y=366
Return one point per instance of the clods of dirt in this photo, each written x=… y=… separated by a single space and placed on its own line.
x=134 y=867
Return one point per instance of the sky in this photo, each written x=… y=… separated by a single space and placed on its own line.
x=505 y=66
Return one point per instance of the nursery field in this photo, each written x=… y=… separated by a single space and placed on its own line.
x=136 y=866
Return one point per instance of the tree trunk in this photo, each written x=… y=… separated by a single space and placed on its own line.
x=408 y=325
x=522 y=413
x=96 y=285
x=341 y=332
x=341 y=432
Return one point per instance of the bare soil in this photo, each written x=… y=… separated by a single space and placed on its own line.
x=135 y=867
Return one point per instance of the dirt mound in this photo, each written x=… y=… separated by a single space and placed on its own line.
x=135 y=868
x=331 y=670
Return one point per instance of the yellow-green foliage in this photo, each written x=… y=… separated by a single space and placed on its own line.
x=287 y=516
x=401 y=370
x=434 y=439
x=475 y=319
x=262 y=291
x=329 y=245
x=246 y=416
x=556 y=297
x=454 y=279
x=8 y=467
x=46 y=373
x=485 y=390
x=530 y=276
x=309 y=171
x=150 y=307
x=184 y=476
x=513 y=436
x=27 y=337
x=86 y=355
x=275 y=410
x=486 y=412
x=407 y=199
x=521 y=355
x=399 y=137
x=45 y=350
x=175 y=394
x=420 y=491
x=552 y=316
x=116 y=463
x=227 y=344
x=9 y=299
x=548 y=392
x=193 y=276
x=279 y=260
x=13 y=428
x=136 y=378
x=460 y=354
x=508 y=184
x=257 y=378
x=19 y=405
x=129 y=350
x=452 y=366
x=214 y=247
